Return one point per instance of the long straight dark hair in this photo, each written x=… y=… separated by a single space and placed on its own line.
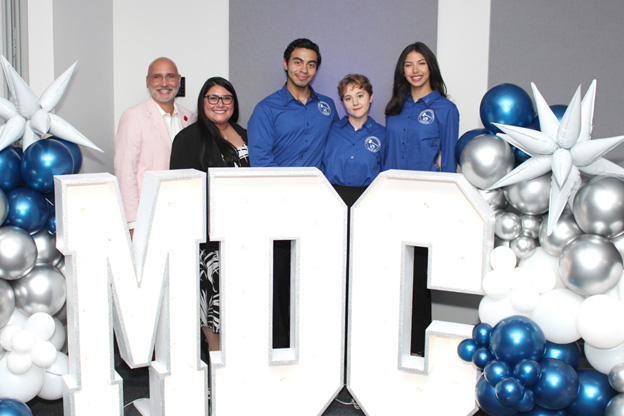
x=228 y=156
x=401 y=87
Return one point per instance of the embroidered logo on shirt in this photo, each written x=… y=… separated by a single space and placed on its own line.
x=372 y=144
x=324 y=108
x=426 y=117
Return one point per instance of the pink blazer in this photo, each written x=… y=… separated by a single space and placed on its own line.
x=142 y=143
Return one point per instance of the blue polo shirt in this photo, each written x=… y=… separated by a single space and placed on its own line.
x=422 y=130
x=282 y=131
x=353 y=157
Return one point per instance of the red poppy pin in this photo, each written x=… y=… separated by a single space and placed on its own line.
x=185 y=118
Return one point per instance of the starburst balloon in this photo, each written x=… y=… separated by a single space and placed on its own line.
x=28 y=117
x=563 y=147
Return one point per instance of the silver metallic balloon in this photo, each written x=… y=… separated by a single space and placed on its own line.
x=495 y=198
x=615 y=406
x=18 y=252
x=523 y=246
x=599 y=206
x=507 y=226
x=41 y=290
x=4 y=206
x=531 y=225
x=616 y=378
x=46 y=248
x=531 y=196
x=590 y=265
x=485 y=160
x=7 y=302
x=565 y=231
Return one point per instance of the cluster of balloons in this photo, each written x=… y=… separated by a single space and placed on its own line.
x=523 y=373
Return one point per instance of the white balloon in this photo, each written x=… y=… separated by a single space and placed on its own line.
x=22 y=341
x=604 y=359
x=556 y=313
x=492 y=311
x=599 y=321
x=43 y=354
x=53 y=383
x=497 y=283
x=502 y=258
x=524 y=298
x=520 y=278
x=23 y=387
x=19 y=362
x=18 y=318
x=7 y=334
x=542 y=262
x=41 y=325
x=59 y=338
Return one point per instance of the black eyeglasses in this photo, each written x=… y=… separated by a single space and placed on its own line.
x=214 y=99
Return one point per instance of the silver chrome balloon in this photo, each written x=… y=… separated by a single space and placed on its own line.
x=530 y=225
x=485 y=160
x=599 y=206
x=565 y=231
x=41 y=290
x=507 y=226
x=616 y=378
x=46 y=248
x=615 y=406
x=530 y=196
x=7 y=302
x=18 y=252
x=523 y=246
x=4 y=206
x=590 y=265
x=495 y=198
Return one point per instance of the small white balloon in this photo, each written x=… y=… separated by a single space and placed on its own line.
x=23 y=387
x=22 y=341
x=544 y=280
x=7 y=334
x=598 y=321
x=492 y=311
x=53 y=385
x=502 y=258
x=556 y=313
x=41 y=325
x=59 y=338
x=18 y=318
x=43 y=354
x=19 y=363
x=604 y=359
x=524 y=299
x=520 y=278
x=497 y=283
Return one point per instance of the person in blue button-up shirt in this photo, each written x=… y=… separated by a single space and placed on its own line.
x=422 y=124
x=352 y=156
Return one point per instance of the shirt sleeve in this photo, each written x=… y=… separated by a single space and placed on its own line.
x=449 y=132
x=261 y=136
x=128 y=143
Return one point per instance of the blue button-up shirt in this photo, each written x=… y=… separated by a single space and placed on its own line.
x=283 y=131
x=424 y=129
x=353 y=157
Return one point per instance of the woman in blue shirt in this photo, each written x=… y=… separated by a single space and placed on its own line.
x=352 y=157
x=422 y=124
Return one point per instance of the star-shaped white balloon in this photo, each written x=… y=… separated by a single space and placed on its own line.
x=563 y=147
x=28 y=117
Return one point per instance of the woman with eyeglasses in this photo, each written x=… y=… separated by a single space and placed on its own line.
x=215 y=140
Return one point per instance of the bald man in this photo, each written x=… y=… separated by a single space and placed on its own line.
x=146 y=131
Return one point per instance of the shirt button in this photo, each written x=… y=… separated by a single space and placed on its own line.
x=351 y=157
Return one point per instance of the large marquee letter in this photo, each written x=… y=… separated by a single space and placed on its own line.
x=402 y=210
x=145 y=292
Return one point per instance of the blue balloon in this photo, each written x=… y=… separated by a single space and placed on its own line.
x=506 y=104
x=481 y=334
x=495 y=371
x=481 y=357
x=509 y=391
x=464 y=139
x=516 y=338
x=465 y=349
x=488 y=402
x=27 y=209
x=558 y=385
x=594 y=394
x=44 y=159
x=540 y=411
x=12 y=407
x=74 y=149
x=51 y=224
x=520 y=156
x=558 y=109
x=527 y=403
x=568 y=353
x=527 y=372
x=10 y=175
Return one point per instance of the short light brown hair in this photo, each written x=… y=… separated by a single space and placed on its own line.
x=357 y=80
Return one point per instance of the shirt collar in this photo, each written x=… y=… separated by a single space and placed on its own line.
x=287 y=96
x=427 y=99
x=163 y=112
x=367 y=125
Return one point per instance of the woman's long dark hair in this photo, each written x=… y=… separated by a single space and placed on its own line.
x=228 y=156
x=401 y=87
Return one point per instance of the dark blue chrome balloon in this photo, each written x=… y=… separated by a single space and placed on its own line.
x=44 y=159
x=27 y=209
x=540 y=411
x=74 y=150
x=481 y=334
x=516 y=338
x=558 y=385
x=488 y=402
x=12 y=407
x=10 y=175
x=509 y=391
x=520 y=156
x=495 y=371
x=481 y=357
x=527 y=403
x=506 y=104
x=527 y=372
x=464 y=139
x=465 y=349
x=568 y=353
x=595 y=392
